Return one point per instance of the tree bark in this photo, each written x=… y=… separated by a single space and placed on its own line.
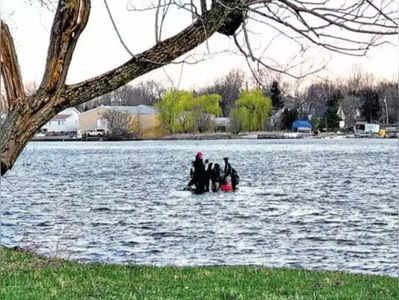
x=17 y=129
x=28 y=114
x=10 y=69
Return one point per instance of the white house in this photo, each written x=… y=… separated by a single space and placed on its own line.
x=65 y=121
x=347 y=120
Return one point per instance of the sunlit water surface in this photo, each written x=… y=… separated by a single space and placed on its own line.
x=314 y=204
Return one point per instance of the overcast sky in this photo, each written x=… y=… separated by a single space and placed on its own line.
x=99 y=49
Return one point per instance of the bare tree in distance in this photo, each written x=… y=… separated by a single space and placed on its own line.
x=118 y=122
x=229 y=88
x=350 y=27
x=264 y=80
x=315 y=98
x=147 y=93
x=350 y=106
x=389 y=100
x=358 y=80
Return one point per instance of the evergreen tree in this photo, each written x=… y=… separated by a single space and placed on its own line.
x=370 y=108
x=275 y=95
x=288 y=117
x=331 y=118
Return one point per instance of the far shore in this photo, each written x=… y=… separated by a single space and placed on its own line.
x=203 y=136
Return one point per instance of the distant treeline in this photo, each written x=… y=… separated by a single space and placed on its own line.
x=246 y=103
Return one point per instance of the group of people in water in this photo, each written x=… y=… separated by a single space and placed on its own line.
x=206 y=176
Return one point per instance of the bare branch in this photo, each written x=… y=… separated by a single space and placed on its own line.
x=116 y=29
x=48 y=4
x=322 y=23
x=69 y=22
x=9 y=68
x=203 y=6
x=159 y=25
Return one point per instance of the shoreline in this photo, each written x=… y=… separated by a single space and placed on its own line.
x=31 y=254
x=24 y=275
x=209 y=136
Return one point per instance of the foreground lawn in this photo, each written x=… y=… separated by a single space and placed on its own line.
x=26 y=276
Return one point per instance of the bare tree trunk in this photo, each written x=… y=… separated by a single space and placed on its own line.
x=27 y=114
x=17 y=130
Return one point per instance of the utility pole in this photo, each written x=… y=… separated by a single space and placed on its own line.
x=386 y=111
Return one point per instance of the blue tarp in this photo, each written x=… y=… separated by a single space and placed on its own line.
x=301 y=124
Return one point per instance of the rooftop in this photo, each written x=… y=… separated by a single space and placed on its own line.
x=133 y=110
x=60 y=117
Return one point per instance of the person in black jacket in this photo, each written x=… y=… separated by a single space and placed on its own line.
x=215 y=178
x=227 y=169
x=232 y=173
x=208 y=174
x=192 y=170
x=235 y=179
x=199 y=175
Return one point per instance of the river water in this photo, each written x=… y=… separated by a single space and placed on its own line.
x=314 y=204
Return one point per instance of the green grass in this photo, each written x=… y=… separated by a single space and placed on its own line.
x=27 y=276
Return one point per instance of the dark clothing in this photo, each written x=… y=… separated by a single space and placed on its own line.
x=235 y=179
x=199 y=176
x=203 y=174
x=192 y=172
x=208 y=176
x=227 y=171
x=215 y=178
x=215 y=173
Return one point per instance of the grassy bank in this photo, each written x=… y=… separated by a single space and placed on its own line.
x=26 y=276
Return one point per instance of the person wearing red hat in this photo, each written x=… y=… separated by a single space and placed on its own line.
x=199 y=175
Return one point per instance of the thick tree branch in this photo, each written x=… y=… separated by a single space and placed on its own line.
x=203 y=7
x=69 y=22
x=161 y=54
x=10 y=68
